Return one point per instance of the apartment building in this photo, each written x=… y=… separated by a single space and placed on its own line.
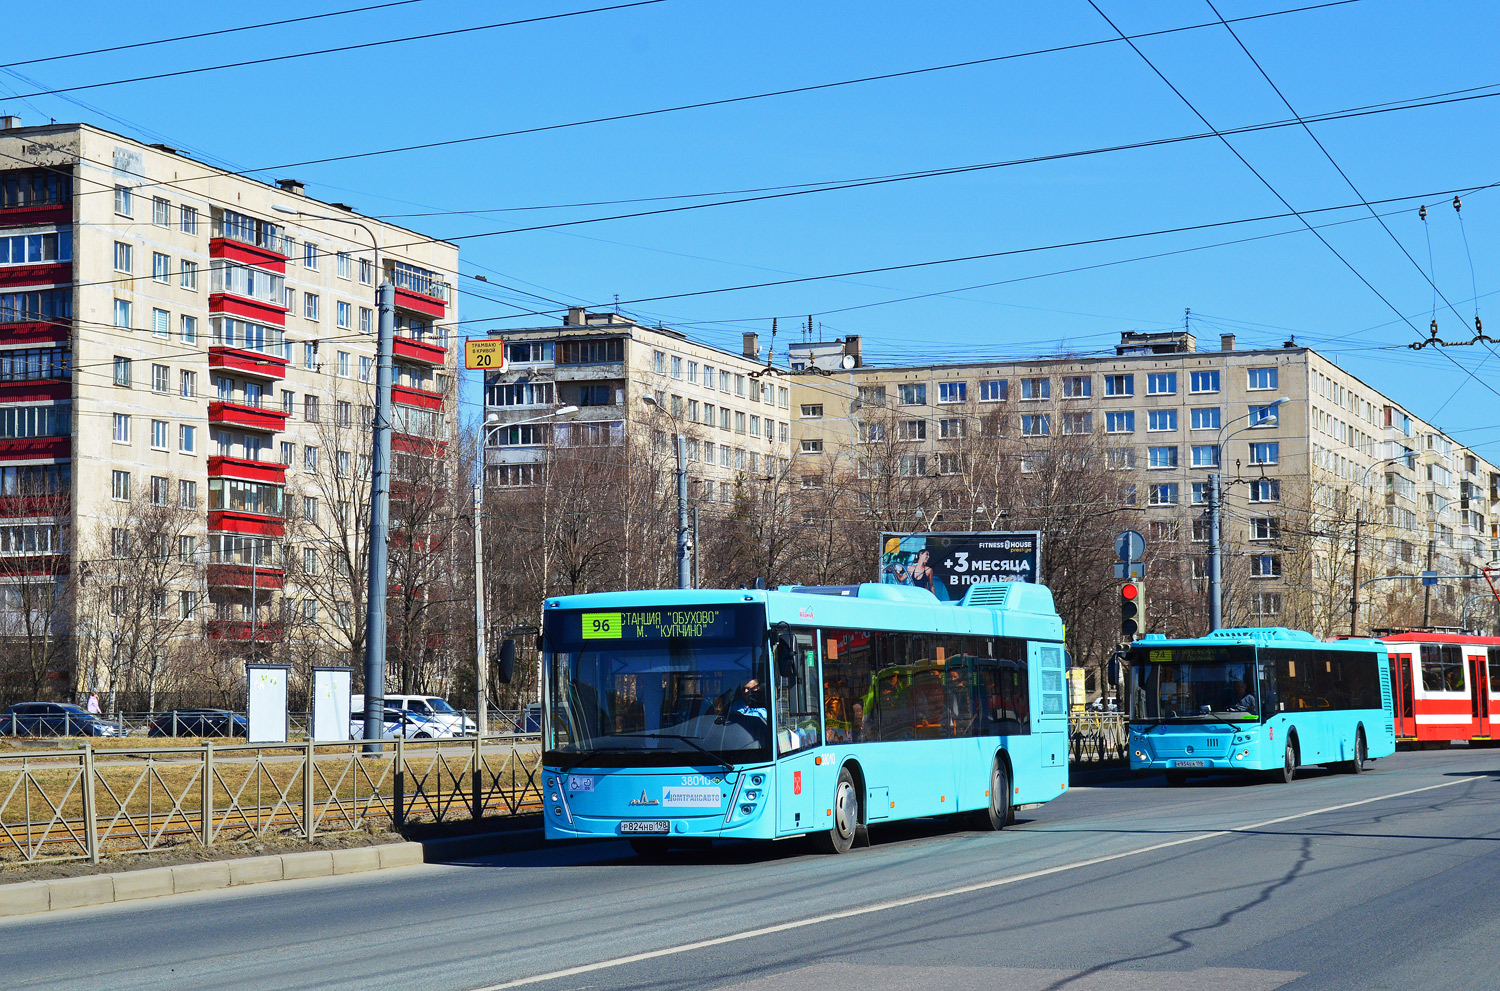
x=735 y=416
x=1303 y=446
x=176 y=335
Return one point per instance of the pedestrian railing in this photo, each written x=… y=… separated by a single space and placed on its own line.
x=90 y=803
x=1097 y=737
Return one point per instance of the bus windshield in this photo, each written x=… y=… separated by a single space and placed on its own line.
x=657 y=686
x=1193 y=684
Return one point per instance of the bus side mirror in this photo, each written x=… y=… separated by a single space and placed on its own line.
x=1114 y=672
x=785 y=652
x=505 y=661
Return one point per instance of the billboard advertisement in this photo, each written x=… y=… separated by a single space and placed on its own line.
x=946 y=564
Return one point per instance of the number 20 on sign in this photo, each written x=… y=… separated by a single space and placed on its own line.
x=487 y=353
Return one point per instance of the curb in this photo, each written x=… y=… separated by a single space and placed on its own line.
x=34 y=897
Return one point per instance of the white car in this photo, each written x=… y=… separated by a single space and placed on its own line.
x=447 y=722
x=396 y=723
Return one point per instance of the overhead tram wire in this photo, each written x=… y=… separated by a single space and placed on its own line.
x=343 y=48
x=208 y=34
x=1265 y=182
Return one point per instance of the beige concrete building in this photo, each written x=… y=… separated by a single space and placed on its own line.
x=736 y=417
x=1165 y=415
x=175 y=335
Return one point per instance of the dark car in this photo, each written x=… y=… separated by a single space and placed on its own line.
x=199 y=722
x=52 y=719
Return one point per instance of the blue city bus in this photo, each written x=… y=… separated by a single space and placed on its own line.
x=1265 y=699
x=675 y=716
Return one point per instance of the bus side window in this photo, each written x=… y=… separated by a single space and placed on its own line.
x=798 y=709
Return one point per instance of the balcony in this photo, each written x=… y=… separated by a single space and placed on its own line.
x=240 y=630
x=246 y=417
x=249 y=240
x=241 y=521
x=421 y=398
x=233 y=575
x=222 y=466
x=418 y=289
x=261 y=364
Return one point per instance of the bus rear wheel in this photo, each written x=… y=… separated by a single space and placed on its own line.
x=839 y=837
x=997 y=815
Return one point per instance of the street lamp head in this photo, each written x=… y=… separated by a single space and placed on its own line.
x=649 y=400
x=1281 y=399
x=565 y=410
x=285 y=209
x=492 y=418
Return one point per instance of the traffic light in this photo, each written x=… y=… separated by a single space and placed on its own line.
x=1132 y=610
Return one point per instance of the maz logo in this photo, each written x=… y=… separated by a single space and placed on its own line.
x=643 y=800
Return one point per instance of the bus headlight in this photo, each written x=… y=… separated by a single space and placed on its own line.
x=752 y=795
x=1242 y=755
x=1142 y=755
x=757 y=779
x=557 y=810
x=747 y=810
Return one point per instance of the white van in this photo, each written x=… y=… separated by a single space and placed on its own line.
x=430 y=707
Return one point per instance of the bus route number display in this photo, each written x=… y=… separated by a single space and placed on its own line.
x=657 y=624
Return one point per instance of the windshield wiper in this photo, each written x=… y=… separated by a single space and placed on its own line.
x=692 y=743
x=589 y=755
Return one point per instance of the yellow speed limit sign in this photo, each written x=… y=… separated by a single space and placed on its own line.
x=486 y=353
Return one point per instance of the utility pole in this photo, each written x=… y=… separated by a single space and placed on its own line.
x=697 y=574
x=1359 y=517
x=380 y=520
x=1215 y=556
x=684 y=542
x=1427 y=589
x=481 y=656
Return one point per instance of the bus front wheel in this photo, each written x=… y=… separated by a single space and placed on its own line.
x=1288 y=764
x=839 y=838
x=997 y=814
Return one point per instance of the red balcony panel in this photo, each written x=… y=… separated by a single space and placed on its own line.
x=428 y=354
x=249 y=309
x=247 y=417
x=50 y=274
x=234 y=521
x=247 y=362
x=36 y=448
x=424 y=447
x=36 y=506
x=250 y=471
x=235 y=629
x=46 y=332
x=33 y=392
x=41 y=564
x=247 y=254
x=244 y=576
x=416 y=302
x=50 y=213
x=420 y=398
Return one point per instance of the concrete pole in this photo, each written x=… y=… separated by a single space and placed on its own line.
x=1215 y=557
x=380 y=520
x=1427 y=589
x=684 y=565
x=1359 y=518
x=697 y=574
x=481 y=654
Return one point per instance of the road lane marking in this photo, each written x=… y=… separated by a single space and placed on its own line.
x=966 y=889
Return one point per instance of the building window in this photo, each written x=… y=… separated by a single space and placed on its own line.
x=366 y=271
x=1265 y=490
x=310 y=255
x=1205 y=456
x=187 y=220
x=1161 y=419
x=161 y=378
x=310 y=305
x=1164 y=494
x=124 y=257
x=676 y=367
x=119 y=486
x=189 y=329
x=310 y=356
x=812 y=445
x=1036 y=426
x=1263 y=416
x=310 y=509
x=121 y=433
x=161 y=323
x=1204 y=381
x=739 y=385
x=1161 y=384
x=1078 y=387
x=161 y=268
x=1078 y=423
x=343 y=364
x=1206 y=418
x=1036 y=388
x=912 y=394
x=912 y=466
x=159 y=435
x=343 y=264
x=590 y=352
x=953 y=428
x=341 y=462
x=122 y=371
x=310 y=409
x=1265 y=453
x=345 y=314
x=366 y=319
x=993 y=390
x=812 y=411
x=1200 y=493
x=189 y=381
x=1265 y=566
x=344 y=413
x=1265 y=528
x=124 y=201
x=161 y=212
x=1119 y=385
x=953 y=392
x=1268 y=604
x=1161 y=457
x=187 y=276
x=187 y=439
x=1261 y=378
x=1119 y=458
x=1119 y=422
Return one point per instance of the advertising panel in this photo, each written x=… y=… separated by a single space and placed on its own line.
x=946 y=564
x=330 y=703
x=265 y=703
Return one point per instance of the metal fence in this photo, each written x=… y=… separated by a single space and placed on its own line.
x=1098 y=737
x=90 y=803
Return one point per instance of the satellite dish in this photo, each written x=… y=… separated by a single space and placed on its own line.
x=848 y=361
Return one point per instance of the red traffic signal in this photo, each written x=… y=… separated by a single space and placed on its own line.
x=1130 y=591
x=1132 y=610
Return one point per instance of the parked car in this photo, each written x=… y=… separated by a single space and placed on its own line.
x=450 y=722
x=397 y=722
x=53 y=719
x=199 y=722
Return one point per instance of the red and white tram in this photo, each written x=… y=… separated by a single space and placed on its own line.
x=1445 y=686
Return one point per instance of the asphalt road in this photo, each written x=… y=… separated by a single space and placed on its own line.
x=1385 y=880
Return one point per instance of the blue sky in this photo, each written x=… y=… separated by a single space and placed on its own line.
x=1351 y=55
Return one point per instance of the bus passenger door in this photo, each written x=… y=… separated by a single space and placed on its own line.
x=799 y=728
x=1480 y=690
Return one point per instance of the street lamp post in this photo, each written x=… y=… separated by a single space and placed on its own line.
x=684 y=542
x=1359 y=519
x=1215 y=513
x=481 y=654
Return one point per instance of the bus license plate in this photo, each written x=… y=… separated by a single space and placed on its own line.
x=645 y=826
x=1188 y=763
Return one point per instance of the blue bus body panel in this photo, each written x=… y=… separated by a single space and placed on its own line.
x=1322 y=737
x=793 y=794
